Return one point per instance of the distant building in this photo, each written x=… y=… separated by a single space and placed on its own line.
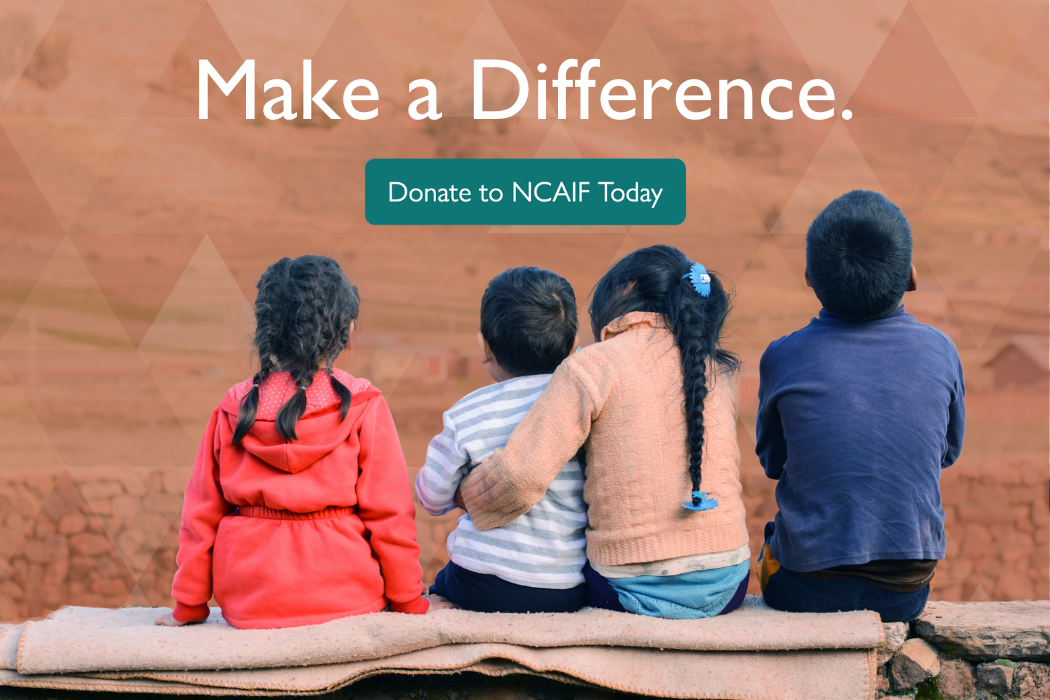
x=436 y=363
x=412 y=362
x=1024 y=362
x=421 y=363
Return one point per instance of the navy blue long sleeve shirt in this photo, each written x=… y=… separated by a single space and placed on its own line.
x=856 y=421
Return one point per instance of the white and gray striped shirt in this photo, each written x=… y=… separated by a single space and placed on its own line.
x=544 y=548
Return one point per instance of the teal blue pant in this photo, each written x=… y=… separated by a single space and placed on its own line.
x=687 y=596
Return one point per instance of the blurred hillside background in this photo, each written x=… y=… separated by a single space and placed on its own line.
x=132 y=234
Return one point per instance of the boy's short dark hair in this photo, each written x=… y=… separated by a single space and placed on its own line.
x=528 y=318
x=858 y=256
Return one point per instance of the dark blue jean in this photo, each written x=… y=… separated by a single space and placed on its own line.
x=794 y=592
x=487 y=593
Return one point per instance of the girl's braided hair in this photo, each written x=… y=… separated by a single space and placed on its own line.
x=303 y=314
x=651 y=280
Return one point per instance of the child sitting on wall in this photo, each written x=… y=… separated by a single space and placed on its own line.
x=299 y=510
x=858 y=413
x=535 y=563
x=653 y=404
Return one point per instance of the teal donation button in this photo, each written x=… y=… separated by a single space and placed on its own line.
x=514 y=191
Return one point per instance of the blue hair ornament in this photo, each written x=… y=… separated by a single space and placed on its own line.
x=700 y=502
x=700 y=280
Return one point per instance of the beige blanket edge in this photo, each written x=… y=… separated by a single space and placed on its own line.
x=843 y=674
x=83 y=640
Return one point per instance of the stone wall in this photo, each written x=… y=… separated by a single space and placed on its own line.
x=100 y=537
x=997 y=517
x=108 y=536
x=998 y=520
x=975 y=651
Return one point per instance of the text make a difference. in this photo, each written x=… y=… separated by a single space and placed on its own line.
x=544 y=192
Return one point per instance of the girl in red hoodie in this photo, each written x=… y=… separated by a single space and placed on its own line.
x=299 y=510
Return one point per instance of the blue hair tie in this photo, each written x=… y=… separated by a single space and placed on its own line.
x=703 y=502
x=700 y=280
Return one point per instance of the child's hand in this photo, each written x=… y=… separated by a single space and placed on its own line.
x=438 y=603
x=169 y=621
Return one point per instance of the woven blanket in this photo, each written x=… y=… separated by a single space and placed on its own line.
x=754 y=652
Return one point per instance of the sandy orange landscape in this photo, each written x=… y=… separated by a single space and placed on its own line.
x=132 y=234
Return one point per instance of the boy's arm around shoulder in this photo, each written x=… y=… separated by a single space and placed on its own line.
x=770 y=445
x=512 y=480
x=447 y=463
x=203 y=507
x=384 y=502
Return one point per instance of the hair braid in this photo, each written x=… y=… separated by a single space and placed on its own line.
x=303 y=314
x=687 y=322
x=651 y=280
x=342 y=392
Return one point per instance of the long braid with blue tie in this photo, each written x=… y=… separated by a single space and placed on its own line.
x=696 y=392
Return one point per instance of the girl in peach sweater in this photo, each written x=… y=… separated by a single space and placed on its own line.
x=652 y=406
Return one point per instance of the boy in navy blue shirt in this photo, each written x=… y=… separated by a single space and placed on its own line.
x=858 y=413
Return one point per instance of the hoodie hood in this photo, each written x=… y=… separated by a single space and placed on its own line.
x=319 y=430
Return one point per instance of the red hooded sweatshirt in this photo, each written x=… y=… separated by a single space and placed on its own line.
x=299 y=533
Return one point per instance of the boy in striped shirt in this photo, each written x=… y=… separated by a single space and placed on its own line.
x=534 y=564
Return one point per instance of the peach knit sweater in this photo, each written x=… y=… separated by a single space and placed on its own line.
x=622 y=400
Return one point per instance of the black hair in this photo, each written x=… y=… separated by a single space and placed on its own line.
x=528 y=318
x=858 y=256
x=303 y=314
x=651 y=280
